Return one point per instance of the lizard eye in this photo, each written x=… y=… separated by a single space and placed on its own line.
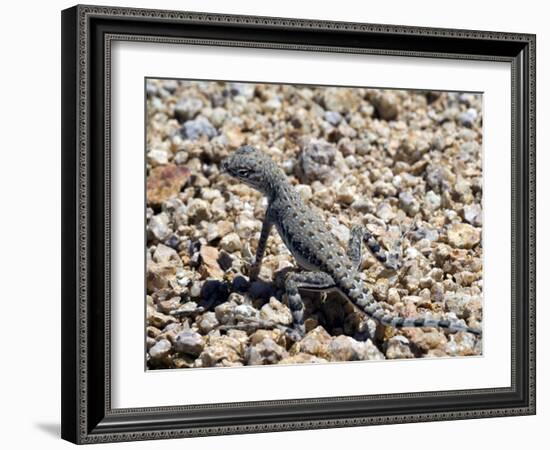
x=243 y=172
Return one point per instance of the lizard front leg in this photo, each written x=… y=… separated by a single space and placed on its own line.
x=260 y=250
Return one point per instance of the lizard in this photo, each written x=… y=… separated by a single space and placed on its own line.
x=316 y=250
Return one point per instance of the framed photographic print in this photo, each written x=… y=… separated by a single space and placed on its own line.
x=281 y=224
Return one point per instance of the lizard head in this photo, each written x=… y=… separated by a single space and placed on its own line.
x=252 y=167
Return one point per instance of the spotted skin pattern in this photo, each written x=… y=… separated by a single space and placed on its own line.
x=314 y=247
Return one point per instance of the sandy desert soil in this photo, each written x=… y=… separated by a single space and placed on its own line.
x=406 y=164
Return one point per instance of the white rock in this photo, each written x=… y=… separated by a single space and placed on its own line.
x=159 y=226
x=246 y=226
x=158 y=156
x=385 y=211
x=160 y=350
x=433 y=201
x=473 y=214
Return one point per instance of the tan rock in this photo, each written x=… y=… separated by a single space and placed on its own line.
x=198 y=209
x=265 y=352
x=235 y=137
x=341 y=100
x=166 y=306
x=207 y=322
x=386 y=104
x=219 y=355
x=463 y=235
x=275 y=335
x=210 y=266
x=315 y=343
x=231 y=242
x=157 y=319
x=398 y=347
x=428 y=340
x=224 y=228
x=275 y=311
x=393 y=296
x=164 y=182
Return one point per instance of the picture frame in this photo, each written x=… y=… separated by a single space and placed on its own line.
x=88 y=33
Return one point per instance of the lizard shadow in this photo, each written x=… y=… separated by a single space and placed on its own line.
x=216 y=292
x=328 y=308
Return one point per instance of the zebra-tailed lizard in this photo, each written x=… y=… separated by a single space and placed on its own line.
x=314 y=247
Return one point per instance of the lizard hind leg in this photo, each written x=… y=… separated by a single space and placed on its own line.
x=303 y=280
x=358 y=234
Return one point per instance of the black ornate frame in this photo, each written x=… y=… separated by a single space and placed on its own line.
x=87 y=33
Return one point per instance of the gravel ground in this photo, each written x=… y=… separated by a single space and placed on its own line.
x=406 y=164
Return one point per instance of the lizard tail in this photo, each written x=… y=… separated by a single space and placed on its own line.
x=407 y=322
x=364 y=300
